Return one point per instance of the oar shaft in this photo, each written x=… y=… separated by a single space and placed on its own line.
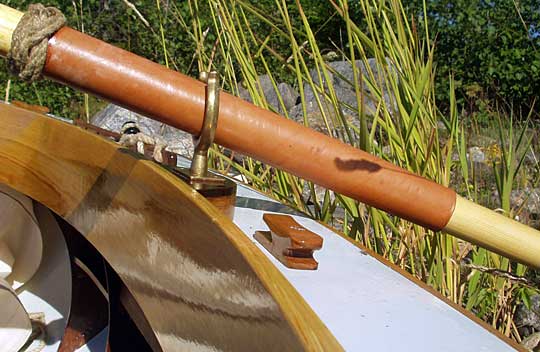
x=8 y=21
x=177 y=100
x=494 y=231
x=140 y=85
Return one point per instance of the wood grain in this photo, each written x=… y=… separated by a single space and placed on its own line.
x=9 y=18
x=286 y=226
x=37 y=108
x=225 y=204
x=289 y=242
x=496 y=232
x=199 y=281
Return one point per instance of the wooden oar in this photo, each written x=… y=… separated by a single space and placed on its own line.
x=128 y=80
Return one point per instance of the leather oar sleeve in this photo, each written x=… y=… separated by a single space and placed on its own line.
x=138 y=84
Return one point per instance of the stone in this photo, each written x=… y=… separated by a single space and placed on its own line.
x=244 y=94
x=316 y=119
x=288 y=94
x=476 y=155
x=340 y=75
x=342 y=80
x=386 y=150
x=320 y=192
x=112 y=117
x=314 y=116
x=532 y=342
x=482 y=141
x=528 y=320
x=530 y=213
x=532 y=158
x=530 y=195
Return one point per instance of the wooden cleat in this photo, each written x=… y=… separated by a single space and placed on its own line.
x=289 y=242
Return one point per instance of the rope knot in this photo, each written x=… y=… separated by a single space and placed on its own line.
x=30 y=40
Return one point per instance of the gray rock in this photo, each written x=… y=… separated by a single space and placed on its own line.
x=482 y=141
x=319 y=106
x=531 y=196
x=528 y=320
x=244 y=94
x=265 y=83
x=341 y=76
x=112 y=117
x=480 y=163
x=386 y=150
x=530 y=213
x=532 y=158
x=314 y=116
x=342 y=80
x=319 y=193
x=287 y=93
x=476 y=155
x=532 y=342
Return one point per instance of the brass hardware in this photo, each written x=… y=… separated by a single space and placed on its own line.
x=198 y=172
x=218 y=190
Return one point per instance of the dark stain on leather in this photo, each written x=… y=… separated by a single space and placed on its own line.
x=357 y=164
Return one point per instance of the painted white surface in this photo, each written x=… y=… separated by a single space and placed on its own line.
x=49 y=290
x=14 y=322
x=20 y=238
x=243 y=191
x=370 y=307
x=6 y=260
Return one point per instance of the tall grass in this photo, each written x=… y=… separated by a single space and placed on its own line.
x=405 y=128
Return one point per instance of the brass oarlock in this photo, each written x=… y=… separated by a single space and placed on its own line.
x=218 y=190
x=199 y=166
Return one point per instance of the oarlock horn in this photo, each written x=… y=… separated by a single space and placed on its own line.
x=91 y=65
